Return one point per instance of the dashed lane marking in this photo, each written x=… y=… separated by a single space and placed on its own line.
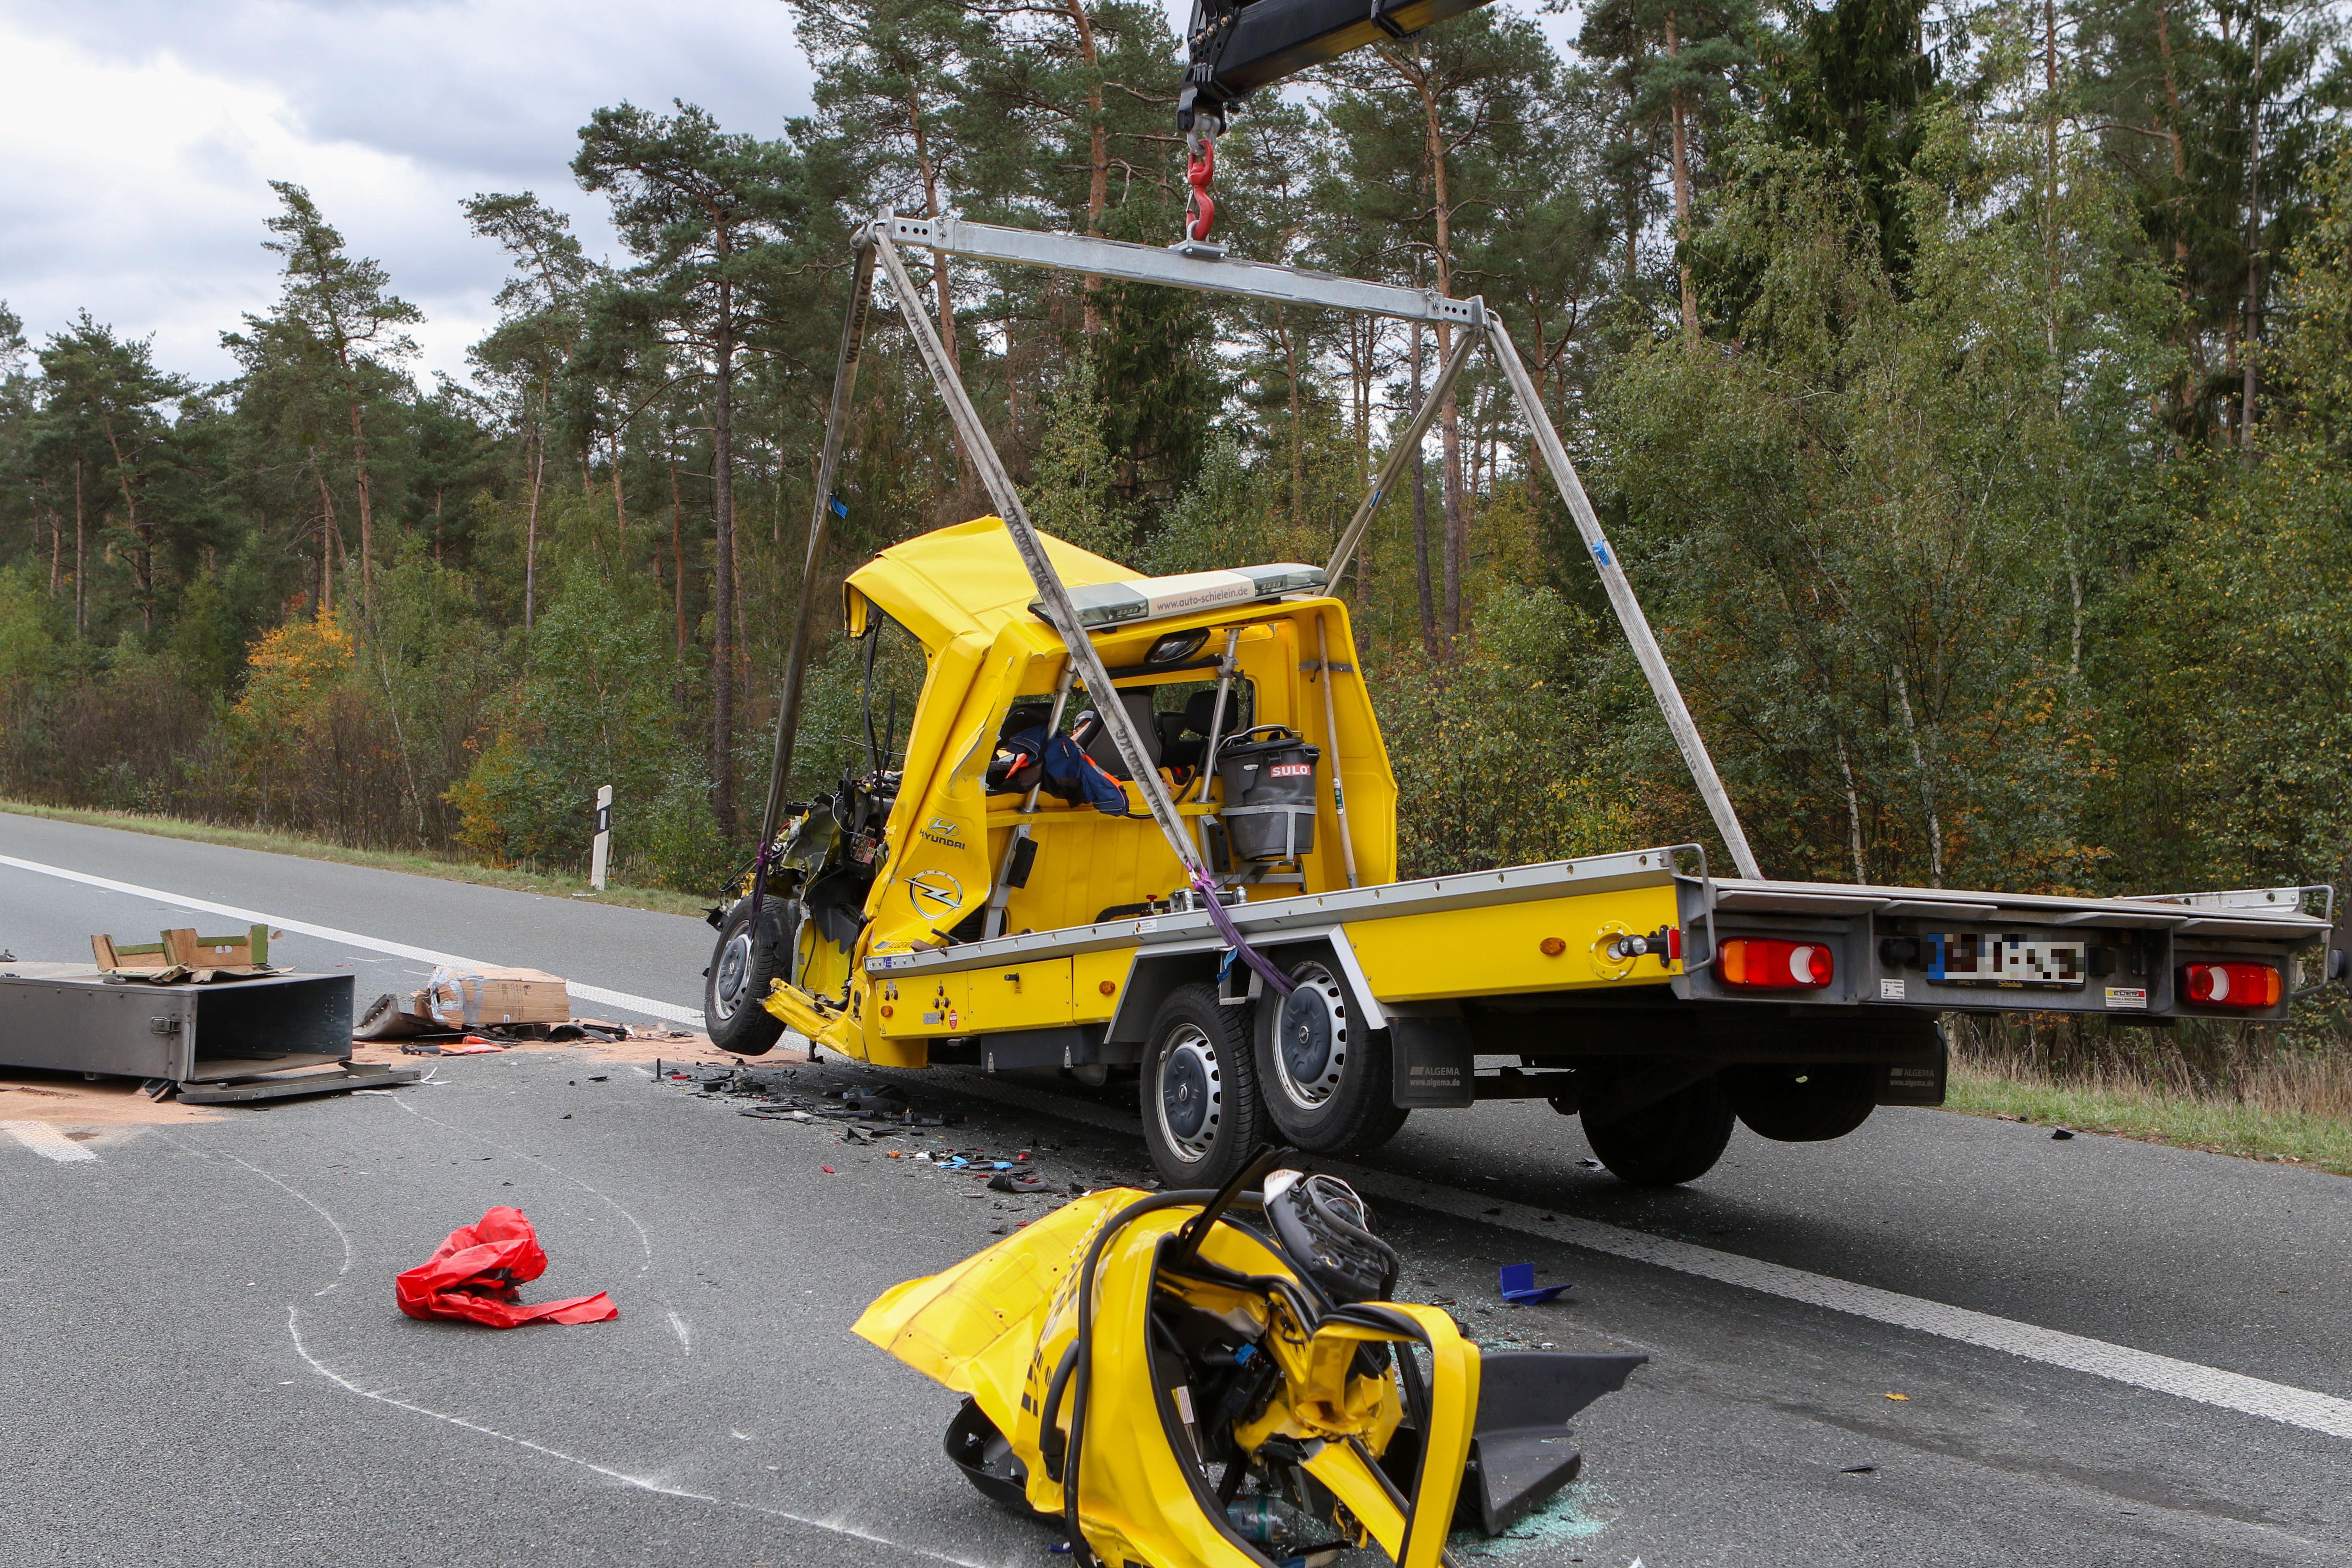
x=47 y=1141
x=2280 y=1402
x=644 y=1006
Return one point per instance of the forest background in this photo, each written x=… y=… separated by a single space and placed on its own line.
x=1967 y=388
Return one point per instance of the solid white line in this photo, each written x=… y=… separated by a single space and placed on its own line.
x=644 y=1006
x=45 y=1141
x=2292 y=1406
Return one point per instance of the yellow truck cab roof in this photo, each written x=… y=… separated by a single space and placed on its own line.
x=964 y=580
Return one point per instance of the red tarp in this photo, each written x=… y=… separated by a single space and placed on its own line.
x=474 y=1274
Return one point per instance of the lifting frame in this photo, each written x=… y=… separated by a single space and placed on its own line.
x=1207 y=268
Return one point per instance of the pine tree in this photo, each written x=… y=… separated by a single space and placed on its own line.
x=696 y=206
x=339 y=319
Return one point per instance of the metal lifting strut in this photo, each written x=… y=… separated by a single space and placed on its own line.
x=879 y=242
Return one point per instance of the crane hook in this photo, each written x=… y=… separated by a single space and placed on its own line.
x=1199 y=168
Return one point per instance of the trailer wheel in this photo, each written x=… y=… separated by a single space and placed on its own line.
x=742 y=967
x=1668 y=1142
x=1325 y=1075
x=1798 y=1102
x=1199 y=1096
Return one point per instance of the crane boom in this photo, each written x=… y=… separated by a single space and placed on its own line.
x=1239 y=46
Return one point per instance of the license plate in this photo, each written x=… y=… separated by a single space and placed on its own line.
x=2005 y=958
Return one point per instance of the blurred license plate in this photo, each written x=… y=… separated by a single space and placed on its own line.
x=2005 y=958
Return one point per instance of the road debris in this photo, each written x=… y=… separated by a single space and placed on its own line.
x=1520 y=1288
x=2061 y=1134
x=1268 y=1360
x=473 y=1276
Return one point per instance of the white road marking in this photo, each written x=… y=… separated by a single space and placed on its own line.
x=644 y=1005
x=684 y=1337
x=291 y=1190
x=2279 y=1402
x=643 y=1483
x=45 y=1141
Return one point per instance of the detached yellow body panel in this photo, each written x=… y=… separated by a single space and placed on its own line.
x=1000 y=1326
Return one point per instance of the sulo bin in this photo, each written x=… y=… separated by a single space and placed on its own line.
x=1269 y=809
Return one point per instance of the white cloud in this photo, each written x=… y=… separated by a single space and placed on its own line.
x=137 y=139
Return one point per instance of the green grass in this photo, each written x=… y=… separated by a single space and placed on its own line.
x=2316 y=1140
x=661 y=901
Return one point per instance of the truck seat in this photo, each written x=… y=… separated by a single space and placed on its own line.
x=1099 y=744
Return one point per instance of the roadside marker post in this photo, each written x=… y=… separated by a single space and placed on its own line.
x=603 y=838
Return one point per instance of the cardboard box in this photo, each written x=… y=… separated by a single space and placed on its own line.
x=469 y=998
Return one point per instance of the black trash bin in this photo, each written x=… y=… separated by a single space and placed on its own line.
x=1268 y=774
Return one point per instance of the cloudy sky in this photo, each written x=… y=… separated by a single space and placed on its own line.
x=137 y=138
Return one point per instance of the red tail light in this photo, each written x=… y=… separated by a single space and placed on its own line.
x=1761 y=964
x=2244 y=987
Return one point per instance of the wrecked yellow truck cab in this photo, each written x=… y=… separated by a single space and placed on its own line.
x=963 y=594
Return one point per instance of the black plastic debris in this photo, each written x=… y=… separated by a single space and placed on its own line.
x=1018 y=1181
x=1859 y=1470
x=2061 y=1133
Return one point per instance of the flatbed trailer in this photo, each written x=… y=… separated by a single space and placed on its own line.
x=947 y=907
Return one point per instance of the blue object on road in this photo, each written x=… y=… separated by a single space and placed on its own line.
x=1519 y=1287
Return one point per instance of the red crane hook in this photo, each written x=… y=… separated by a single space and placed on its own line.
x=1199 y=168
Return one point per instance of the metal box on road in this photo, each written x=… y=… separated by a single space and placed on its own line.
x=66 y=1017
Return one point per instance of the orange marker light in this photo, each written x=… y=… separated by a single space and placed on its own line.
x=1108 y=987
x=1553 y=947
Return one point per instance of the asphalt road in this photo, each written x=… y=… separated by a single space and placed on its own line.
x=205 y=1365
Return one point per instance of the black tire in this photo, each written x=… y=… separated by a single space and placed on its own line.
x=1668 y=1142
x=741 y=969
x=1324 y=1078
x=1199 y=1093
x=1798 y=1102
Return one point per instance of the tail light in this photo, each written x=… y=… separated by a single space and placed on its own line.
x=1762 y=964
x=2244 y=987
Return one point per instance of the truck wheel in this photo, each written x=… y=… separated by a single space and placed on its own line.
x=1324 y=1075
x=1200 y=1097
x=741 y=969
x=1668 y=1142
x=1796 y=1103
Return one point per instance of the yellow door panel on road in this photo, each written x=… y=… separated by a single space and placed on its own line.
x=1501 y=949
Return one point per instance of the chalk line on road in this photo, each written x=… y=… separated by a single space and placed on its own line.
x=47 y=1141
x=2190 y=1379
x=644 y=1006
x=643 y=1483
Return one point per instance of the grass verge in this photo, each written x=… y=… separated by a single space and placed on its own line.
x=2158 y=1116
x=660 y=901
